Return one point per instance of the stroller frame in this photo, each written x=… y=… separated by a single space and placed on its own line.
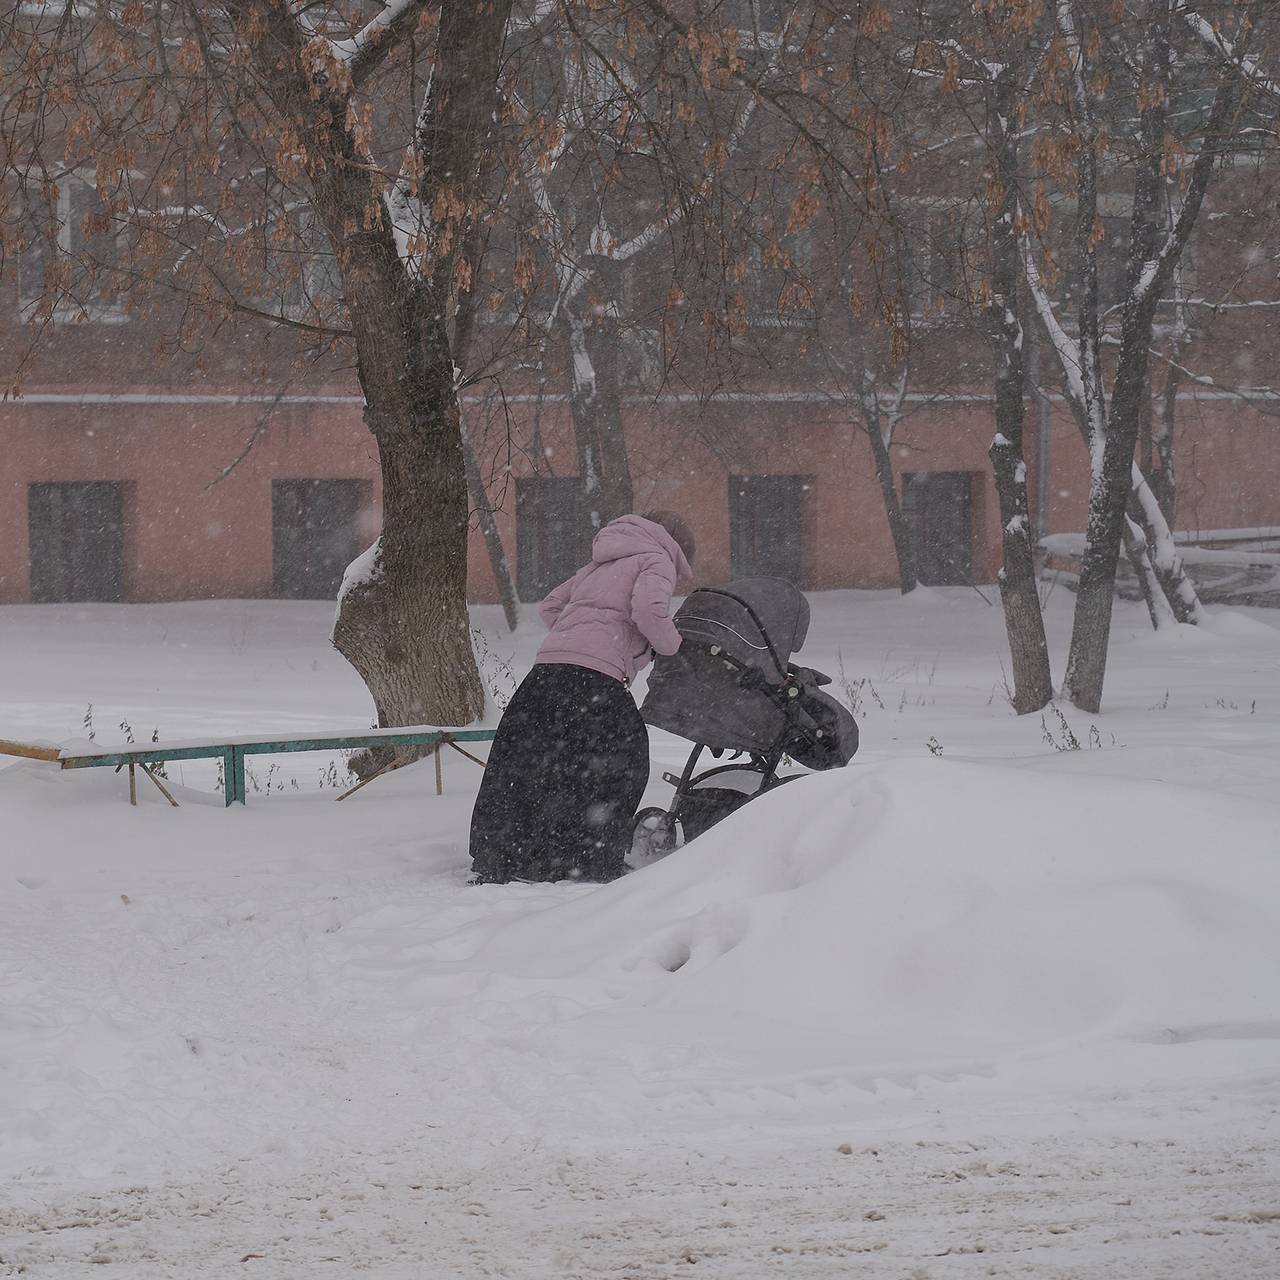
x=659 y=824
x=684 y=809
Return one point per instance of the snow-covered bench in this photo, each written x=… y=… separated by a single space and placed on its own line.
x=232 y=753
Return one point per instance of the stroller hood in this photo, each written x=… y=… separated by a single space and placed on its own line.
x=759 y=621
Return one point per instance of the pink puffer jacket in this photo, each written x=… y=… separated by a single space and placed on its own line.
x=612 y=611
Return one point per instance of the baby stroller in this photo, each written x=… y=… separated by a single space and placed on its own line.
x=732 y=687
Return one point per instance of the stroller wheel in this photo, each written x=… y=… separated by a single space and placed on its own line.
x=653 y=836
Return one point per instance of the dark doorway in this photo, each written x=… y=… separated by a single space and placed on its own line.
x=766 y=527
x=938 y=508
x=77 y=541
x=315 y=534
x=550 y=545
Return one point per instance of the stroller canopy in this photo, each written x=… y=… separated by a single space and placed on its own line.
x=759 y=622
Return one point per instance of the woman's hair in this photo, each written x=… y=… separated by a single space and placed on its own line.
x=677 y=528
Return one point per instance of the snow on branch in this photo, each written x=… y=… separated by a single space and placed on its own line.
x=1166 y=561
x=571 y=273
x=1089 y=407
x=1156 y=271
x=374 y=30
x=1066 y=347
x=1215 y=307
x=1245 y=64
x=1259 y=397
x=1071 y=38
x=409 y=222
x=358 y=54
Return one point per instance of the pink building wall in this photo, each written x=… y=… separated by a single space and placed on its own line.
x=189 y=537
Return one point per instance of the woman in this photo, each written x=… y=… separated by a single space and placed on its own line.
x=571 y=757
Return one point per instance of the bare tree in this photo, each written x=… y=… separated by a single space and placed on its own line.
x=873 y=390
x=977 y=69
x=1142 y=52
x=235 y=144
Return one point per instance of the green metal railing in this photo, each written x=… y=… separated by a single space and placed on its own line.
x=233 y=754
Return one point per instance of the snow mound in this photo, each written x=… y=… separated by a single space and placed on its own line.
x=920 y=913
x=191 y=985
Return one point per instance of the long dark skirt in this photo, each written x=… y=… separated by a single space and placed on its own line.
x=566 y=771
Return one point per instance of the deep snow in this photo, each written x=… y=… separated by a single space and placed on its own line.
x=973 y=1006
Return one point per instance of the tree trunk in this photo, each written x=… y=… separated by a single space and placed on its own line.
x=1138 y=551
x=903 y=548
x=463 y=333
x=1163 y=476
x=492 y=538
x=1024 y=622
x=1109 y=493
x=1144 y=428
x=1153 y=552
x=1112 y=480
x=403 y=625
x=595 y=401
x=1167 y=564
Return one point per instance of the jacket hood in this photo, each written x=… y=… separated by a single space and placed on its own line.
x=633 y=536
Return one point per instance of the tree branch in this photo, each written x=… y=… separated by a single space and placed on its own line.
x=1246 y=66
x=364 y=52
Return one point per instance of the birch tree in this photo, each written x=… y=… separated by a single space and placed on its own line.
x=1140 y=55
x=978 y=68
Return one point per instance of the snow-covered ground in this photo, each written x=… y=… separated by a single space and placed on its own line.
x=979 y=1005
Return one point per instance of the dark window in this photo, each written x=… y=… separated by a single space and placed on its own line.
x=938 y=507
x=778 y=286
x=766 y=527
x=77 y=541
x=315 y=534
x=550 y=542
x=941 y=248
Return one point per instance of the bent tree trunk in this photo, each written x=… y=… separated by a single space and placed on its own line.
x=1149 y=545
x=1166 y=562
x=1138 y=551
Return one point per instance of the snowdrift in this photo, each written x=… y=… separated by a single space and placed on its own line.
x=926 y=930
x=914 y=914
